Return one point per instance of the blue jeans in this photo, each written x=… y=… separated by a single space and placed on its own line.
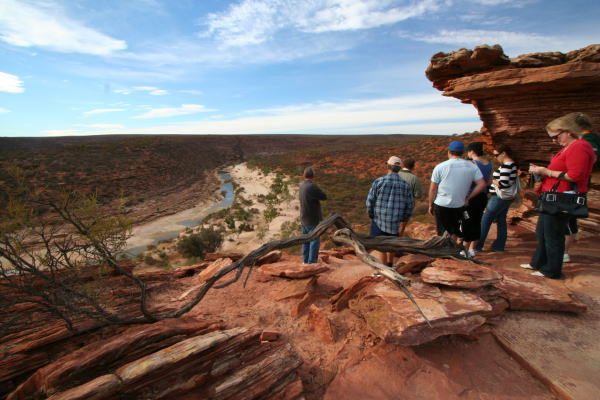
x=496 y=210
x=310 y=250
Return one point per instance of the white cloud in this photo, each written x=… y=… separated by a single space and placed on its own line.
x=426 y=114
x=103 y=110
x=185 y=109
x=102 y=126
x=3 y=110
x=150 y=89
x=41 y=24
x=474 y=37
x=255 y=21
x=10 y=83
x=190 y=91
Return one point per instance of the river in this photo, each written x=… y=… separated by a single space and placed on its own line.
x=170 y=226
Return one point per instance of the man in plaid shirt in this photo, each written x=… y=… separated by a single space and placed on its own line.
x=390 y=201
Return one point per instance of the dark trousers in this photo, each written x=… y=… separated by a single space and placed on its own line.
x=550 y=233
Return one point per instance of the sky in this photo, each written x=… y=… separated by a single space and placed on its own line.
x=88 y=67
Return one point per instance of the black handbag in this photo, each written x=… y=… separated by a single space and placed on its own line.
x=556 y=203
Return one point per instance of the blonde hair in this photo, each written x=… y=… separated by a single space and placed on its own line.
x=576 y=123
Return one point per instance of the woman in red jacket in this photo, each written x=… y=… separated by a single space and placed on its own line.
x=571 y=167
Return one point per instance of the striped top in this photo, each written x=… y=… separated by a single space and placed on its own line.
x=506 y=175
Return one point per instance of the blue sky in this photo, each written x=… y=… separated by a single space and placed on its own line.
x=81 y=67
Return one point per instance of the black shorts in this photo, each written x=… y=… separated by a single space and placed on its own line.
x=571 y=226
x=448 y=219
x=471 y=227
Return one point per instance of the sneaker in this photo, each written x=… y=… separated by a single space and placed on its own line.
x=472 y=253
x=462 y=253
x=566 y=258
x=537 y=273
x=526 y=266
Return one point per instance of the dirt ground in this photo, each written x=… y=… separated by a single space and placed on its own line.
x=516 y=359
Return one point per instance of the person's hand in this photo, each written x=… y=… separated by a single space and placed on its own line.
x=430 y=209
x=466 y=202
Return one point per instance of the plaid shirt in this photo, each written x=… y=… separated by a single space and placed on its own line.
x=390 y=201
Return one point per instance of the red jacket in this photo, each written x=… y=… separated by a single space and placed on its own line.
x=577 y=160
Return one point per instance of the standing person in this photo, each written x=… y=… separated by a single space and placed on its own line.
x=504 y=177
x=406 y=173
x=449 y=189
x=310 y=214
x=389 y=203
x=472 y=226
x=571 y=168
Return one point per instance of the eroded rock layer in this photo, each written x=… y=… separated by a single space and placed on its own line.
x=516 y=98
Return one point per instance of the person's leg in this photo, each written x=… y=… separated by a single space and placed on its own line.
x=439 y=224
x=314 y=251
x=477 y=214
x=502 y=229
x=306 y=247
x=554 y=231
x=374 y=232
x=540 y=257
x=494 y=206
x=402 y=228
x=571 y=236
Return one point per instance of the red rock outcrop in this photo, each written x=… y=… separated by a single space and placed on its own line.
x=517 y=98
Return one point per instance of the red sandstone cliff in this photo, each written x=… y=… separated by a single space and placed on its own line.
x=517 y=97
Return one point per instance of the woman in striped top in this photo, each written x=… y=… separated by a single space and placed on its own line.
x=505 y=176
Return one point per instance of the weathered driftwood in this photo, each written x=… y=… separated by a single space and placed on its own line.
x=435 y=247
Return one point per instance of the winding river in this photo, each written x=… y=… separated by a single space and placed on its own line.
x=170 y=226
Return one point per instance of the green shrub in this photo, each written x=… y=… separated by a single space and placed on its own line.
x=207 y=240
x=150 y=260
x=270 y=213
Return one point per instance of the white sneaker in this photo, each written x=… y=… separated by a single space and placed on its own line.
x=526 y=266
x=566 y=258
x=537 y=273
x=472 y=253
x=462 y=253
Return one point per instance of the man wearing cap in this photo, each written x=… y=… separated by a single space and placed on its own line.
x=449 y=189
x=310 y=214
x=390 y=202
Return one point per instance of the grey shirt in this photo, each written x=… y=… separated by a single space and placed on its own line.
x=413 y=181
x=310 y=203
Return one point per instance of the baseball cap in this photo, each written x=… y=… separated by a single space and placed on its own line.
x=456 y=145
x=393 y=160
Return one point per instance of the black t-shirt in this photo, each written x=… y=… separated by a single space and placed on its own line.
x=310 y=203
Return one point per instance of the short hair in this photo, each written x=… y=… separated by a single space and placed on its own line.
x=476 y=147
x=394 y=167
x=504 y=148
x=408 y=163
x=456 y=153
x=309 y=173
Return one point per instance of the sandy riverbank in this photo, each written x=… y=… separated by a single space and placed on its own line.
x=255 y=184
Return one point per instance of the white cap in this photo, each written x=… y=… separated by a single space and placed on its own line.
x=393 y=160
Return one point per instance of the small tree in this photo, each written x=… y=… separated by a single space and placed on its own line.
x=207 y=240
x=54 y=250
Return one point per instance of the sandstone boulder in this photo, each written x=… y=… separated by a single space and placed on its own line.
x=412 y=263
x=533 y=293
x=393 y=317
x=460 y=274
x=318 y=322
x=213 y=268
x=290 y=269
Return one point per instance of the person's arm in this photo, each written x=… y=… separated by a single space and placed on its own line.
x=433 y=188
x=479 y=187
x=318 y=193
x=418 y=189
x=371 y=198
x=409 y=204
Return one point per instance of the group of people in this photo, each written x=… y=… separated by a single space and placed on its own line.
x=467 y=196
